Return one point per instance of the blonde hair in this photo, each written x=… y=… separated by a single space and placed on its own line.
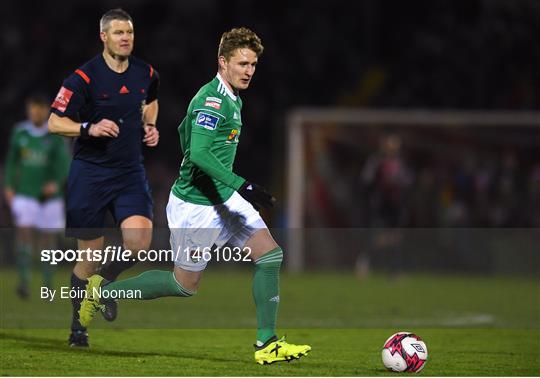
x=239 y=38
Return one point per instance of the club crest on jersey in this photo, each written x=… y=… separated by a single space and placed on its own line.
x=207 y=121
x=233 y=136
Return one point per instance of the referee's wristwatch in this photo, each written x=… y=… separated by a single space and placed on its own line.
x=85 y=129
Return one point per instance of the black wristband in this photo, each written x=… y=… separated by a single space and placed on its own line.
x=85 y=130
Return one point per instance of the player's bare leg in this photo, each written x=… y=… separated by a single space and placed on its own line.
x=188 y=280
x=136 y=233
x=87 y=267
x=136 y=236
x=260 y=243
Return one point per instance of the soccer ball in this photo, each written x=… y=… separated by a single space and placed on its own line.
x=404 y=351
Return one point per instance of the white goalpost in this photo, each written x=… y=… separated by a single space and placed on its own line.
x=303 y=121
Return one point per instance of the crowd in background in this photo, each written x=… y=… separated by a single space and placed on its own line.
x=450 y=179
x=469 y=54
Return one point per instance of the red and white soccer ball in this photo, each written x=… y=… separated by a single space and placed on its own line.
x=404 y=351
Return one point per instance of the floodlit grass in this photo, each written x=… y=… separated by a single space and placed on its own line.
x=472 y=326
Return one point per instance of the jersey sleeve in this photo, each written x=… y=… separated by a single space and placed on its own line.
x=207 y=115
x=72 y=96
x=12 y=161
x=202 y=157
x=153 y=88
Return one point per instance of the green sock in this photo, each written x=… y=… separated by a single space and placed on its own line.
x=47 y=240
x=152 y=284
x=24 y=257
x=266 y=293
x=47 y=270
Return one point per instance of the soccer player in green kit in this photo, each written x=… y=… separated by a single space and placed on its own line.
x=36 y=169
x=211 y=205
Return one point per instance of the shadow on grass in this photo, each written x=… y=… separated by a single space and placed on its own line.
x=49 y=344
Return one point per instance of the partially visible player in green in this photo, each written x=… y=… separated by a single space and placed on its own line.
x=36 y=169
x=211 y=205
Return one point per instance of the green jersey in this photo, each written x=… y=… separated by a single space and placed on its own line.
x=209 y=136
x=34 y=158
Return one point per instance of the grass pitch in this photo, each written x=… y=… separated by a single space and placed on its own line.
x=472 y=325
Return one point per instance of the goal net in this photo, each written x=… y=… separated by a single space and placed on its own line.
x=430 y=189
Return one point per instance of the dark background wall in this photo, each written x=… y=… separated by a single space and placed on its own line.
x=469 y=54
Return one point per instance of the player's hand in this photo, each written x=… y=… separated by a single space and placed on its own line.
x=151 y=135
x=256 y=195
x=49 y=189
x=9 y=194
x=104 y=128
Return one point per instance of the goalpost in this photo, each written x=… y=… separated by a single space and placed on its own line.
x=303 y=123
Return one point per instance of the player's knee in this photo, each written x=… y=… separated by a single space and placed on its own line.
x=188 y=281
x=271 y=257
x=136 y=243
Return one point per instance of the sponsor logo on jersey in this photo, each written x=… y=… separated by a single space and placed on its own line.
x=213 y=104
x=214 y=99
x=123 y=90
x=207 y=121
x=236 y=116
x=33 y=157
x=233 y=136
x=62 y=99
